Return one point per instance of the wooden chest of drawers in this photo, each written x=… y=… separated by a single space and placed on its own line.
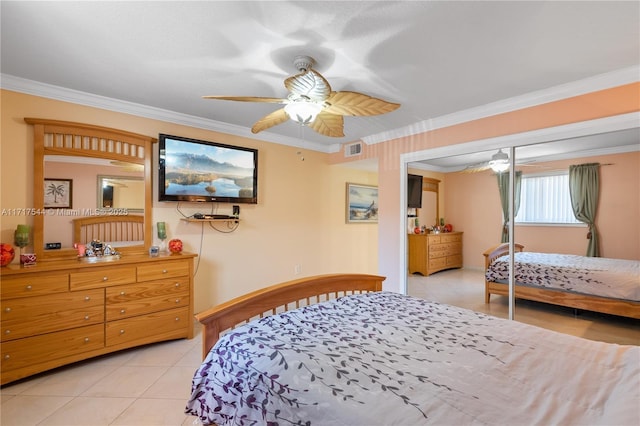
x=56 y=313
x=429 y=253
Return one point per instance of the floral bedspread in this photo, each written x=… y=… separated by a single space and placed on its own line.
x=597 y=276
x=384 y=358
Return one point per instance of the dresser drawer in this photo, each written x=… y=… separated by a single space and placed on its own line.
x=43 y=314
x=148 y=328
x=102 y=277
x=152 y=296
x=35 y=350
x=455 y=260
x=452 y=238
x=452 y=249
x=160 y=270
x=34 y=285
x=433 y=239
x=437 y=263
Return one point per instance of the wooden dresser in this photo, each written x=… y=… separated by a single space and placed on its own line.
x=55 y=313
x=429 y=253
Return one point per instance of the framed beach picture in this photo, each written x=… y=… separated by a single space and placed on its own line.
x=362 y=203
x=58 y=193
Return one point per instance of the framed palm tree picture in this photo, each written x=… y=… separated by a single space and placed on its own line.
x=58 y=193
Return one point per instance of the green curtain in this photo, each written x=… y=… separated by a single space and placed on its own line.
x=503 y=187
x=584 y=188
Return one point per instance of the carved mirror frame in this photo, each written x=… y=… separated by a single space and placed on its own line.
x=53 y=137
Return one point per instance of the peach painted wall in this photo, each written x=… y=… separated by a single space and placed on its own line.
x=473 y=204
x=299 y=218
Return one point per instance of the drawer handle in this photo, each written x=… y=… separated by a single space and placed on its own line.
x=105 y=278
x=7 y=356
x=178 y=300
x=7 y=332
x=177 y=284
x=121 y=331
x=86 y=317
x=177 y=319
x=122 y=311
x=87 y=298
x=122 y=293
x=7 y=309
x=28 y=287
x=164 y=271
x=86 y=340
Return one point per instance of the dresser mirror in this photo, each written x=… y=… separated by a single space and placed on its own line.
x=430 y=212
x=84 y=158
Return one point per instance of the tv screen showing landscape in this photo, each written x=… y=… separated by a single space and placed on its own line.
x=197 y=170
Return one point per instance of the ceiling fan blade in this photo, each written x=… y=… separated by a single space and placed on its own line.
x=248 y=99
x=481 y=167
x=309 y=84
x=326 y=124
x=357 y=104
x=475 y=168
x=270 y=120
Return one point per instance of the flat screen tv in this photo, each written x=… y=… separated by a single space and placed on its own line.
x=414 y=191
x=201 y=171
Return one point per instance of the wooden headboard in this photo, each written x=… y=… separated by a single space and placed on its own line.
x=497 y=251
x=281 y=297
x=108 y=228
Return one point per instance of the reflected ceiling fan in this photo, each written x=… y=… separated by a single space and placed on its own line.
x=499 y=163
x=311 y=102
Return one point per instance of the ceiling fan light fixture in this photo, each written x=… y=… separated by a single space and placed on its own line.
x=302 y=111
x=499 y=162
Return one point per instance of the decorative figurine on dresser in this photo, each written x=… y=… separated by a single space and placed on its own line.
x=66 y=309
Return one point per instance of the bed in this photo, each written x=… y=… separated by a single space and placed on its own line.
x=373 y=357
x=610 y=286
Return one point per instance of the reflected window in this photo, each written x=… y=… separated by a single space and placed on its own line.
x=545 y=199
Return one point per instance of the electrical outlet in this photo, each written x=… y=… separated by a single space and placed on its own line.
x=297 y=270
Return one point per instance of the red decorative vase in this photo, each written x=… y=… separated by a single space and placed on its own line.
x=175 y=246
x=7 y=253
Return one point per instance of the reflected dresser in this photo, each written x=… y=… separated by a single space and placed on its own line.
x=429 y=253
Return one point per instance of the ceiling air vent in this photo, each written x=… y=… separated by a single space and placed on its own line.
x=353 y=149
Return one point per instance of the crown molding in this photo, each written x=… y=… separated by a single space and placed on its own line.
x=556 y=93
x=35 y=88
x=580 y=87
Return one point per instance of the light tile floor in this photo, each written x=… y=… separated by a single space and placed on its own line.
x=150 y=385
x=144 y=386
x=465 y=288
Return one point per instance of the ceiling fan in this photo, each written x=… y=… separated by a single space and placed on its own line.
x=311 y=102
x=499 y=163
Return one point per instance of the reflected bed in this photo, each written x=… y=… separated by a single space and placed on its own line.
x=610 y=286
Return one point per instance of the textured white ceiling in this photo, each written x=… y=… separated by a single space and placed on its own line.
x=434 y=57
